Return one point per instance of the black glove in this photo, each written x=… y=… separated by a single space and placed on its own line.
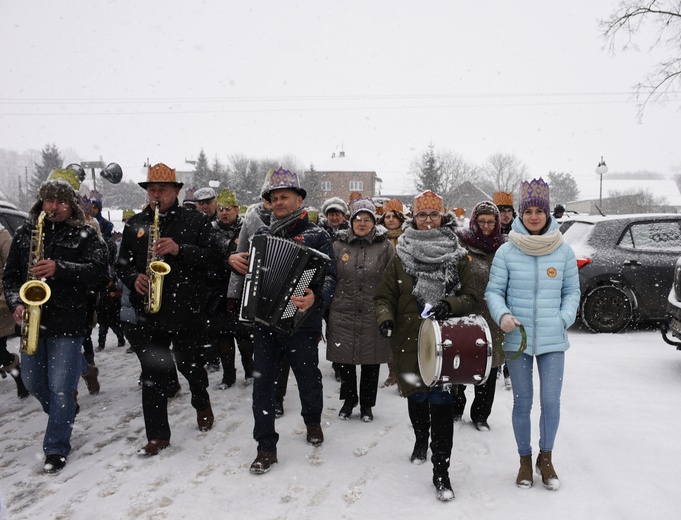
x=441 y=311
x=386 y=328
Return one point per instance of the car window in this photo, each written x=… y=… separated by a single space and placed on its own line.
x=653 y=236
x=577 y=235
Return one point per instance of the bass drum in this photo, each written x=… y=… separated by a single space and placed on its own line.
x=455 y=351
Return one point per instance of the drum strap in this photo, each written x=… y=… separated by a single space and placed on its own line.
x=523 y=344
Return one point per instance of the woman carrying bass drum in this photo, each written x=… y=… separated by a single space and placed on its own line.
x=430 y=268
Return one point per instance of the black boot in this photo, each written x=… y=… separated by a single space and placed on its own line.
x=419 y=415
x=22 y=393
x=441 y=417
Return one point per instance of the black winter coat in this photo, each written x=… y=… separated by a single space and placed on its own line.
x=81 y=258
x=184 y=287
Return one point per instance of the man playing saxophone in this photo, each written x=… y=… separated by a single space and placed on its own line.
x=170 y=303
x=71 y=260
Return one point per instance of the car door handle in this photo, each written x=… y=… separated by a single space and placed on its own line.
x=631 y=262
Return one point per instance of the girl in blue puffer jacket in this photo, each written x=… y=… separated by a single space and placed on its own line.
x=533 y=294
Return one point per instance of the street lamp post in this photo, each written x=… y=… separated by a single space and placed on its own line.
x=601 y=170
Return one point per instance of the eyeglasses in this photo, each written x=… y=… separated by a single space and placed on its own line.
x=423 y=216
x=486 y=223
x=225 y=208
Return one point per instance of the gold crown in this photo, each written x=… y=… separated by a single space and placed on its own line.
x=393 y=205
x=502 y=199
x=428 y=200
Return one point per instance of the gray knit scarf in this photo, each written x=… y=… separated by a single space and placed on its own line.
x=432 y=257
x=279 y=227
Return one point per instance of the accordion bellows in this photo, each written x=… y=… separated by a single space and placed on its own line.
x=279 y=269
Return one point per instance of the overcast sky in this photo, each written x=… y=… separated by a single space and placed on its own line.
x=132 y=79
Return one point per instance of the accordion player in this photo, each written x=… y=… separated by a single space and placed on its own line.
x=279 y=269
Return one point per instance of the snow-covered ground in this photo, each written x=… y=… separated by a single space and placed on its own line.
x=617 y=452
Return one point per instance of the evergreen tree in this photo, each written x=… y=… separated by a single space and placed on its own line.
x=51 y=160
x=202 y=172
x=313 y=187
x=426 y=171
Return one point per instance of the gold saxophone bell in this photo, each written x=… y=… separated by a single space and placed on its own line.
x=158 y=270
x=33 y=293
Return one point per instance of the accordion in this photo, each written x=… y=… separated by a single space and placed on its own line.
x=279 y=269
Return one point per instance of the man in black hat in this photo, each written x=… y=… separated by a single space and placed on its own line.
x=189 y=247
x=74 y=261
x=289 y=220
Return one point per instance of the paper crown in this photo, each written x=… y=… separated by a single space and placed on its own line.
x=354 y=195
x=227 y=198
x=282 y=179
x=459 y=212
x=428 y=201
x=502 y=199
x=68 y=175
x=160 y=173
x=86 y=205
x=204 y=194
x=393 y=205
x=127 y=213
x=365 y=205
x=535 y=193
x=189 y=194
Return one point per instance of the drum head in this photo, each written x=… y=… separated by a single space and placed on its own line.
x=430 y=355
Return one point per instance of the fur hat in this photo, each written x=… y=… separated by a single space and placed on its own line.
x=60 y=189
x=362 y=205
x=534 y=193
x=160 y=173
x=334 y=203
x=204 y=194
x=227 y=198
x=428 y=201
x=283 y=180
x=502 y=199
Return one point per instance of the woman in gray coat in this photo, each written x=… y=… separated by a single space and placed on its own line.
x=362 y=254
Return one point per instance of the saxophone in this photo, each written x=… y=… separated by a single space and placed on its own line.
x=156 y=268
x=34 y=292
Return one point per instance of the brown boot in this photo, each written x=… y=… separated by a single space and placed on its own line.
x=205 y=418
x=153 y=447
x=263 y=462
x=544 y=468
x=315 y=435
x=524 y=479
x=91 y=380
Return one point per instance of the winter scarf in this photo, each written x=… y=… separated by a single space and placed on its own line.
x=232 y=231
x=278 y=227
x=474 y=235
x=432 y=257
x=537 y=245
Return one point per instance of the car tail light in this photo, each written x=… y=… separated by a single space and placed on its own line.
x=581 y=262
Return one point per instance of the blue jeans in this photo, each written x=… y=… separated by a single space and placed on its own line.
x=301 y=351
x=51 y=376
x=550 y=367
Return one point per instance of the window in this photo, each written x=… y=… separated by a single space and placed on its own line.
x=356 y=185
x=653 y=236
x=326 y=185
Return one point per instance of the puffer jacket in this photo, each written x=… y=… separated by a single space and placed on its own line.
x=353 y=337
x=542 y=292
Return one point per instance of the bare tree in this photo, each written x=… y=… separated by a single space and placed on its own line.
x=633 y=201
x=627 y=21
x=454 y=171
x=503 y=172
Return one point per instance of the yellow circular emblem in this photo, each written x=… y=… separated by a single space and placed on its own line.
x=551 y=271
x=140 y=232
x=345 y=257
